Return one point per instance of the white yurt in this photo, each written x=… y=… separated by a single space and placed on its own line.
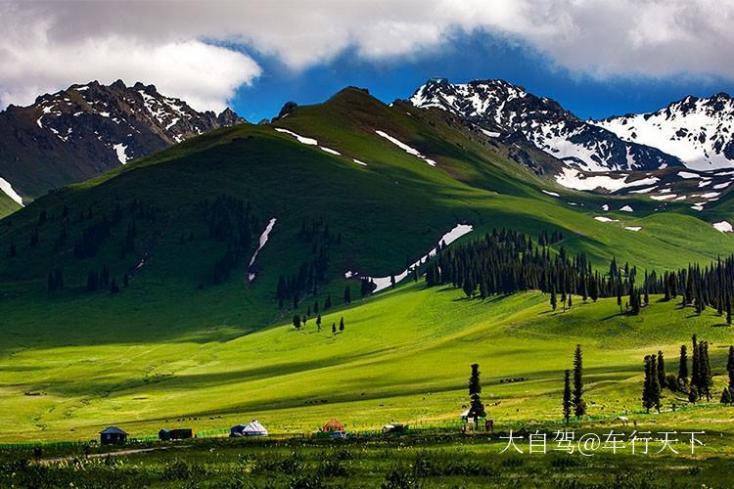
x=254 y=428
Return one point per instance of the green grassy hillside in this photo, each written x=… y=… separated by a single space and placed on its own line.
x=173 y=343
x=403 y=356
x=390 y=211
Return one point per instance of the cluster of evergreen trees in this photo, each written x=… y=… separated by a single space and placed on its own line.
x=92 y=238
x=701 y=380
x=312 y=272
x=301 y=322
x=696 y=382
x=230 y=220
x=652 y=385
x=573 y=396
x=97 y=280
x=506 y=261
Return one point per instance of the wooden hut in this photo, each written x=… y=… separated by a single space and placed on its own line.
x=175 y=434
x=112 y=435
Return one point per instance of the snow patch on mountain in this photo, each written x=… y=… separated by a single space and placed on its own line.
x=120 y=151
x=405 y=147
x=574 y=179
x=723 y=226
x=382 y=283
x=330 y=151
x=8 y=189
x=251 y=274
x=299 y=138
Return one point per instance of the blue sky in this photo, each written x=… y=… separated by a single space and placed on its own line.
x=595 y=57
x=467 y=57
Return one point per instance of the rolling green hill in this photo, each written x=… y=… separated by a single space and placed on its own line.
x=403 y=356
x=174 y=341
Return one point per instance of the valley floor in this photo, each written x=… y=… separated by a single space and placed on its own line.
x=404 y=356
x=410 y=461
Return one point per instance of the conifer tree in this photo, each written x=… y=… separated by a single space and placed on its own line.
x=553 y=300
x=705 y=371
x=318 y=323
x=333 y=328
x=476 y=408
x=695 y=365
x=297 y=321
x=730 y=369
x=646 y=394
x=347 y=295
x=341 y=324
x=654 y=384
x=661 y=370
x=683 y=366
x=726 y=397
x=578 y=383
x=567 y=403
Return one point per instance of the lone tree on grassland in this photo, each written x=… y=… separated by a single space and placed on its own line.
x=567 y=396
x=476 y=408
x=578 y=383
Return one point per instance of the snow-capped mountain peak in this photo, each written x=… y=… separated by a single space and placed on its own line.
x=77 y=133
x=499 y=106
x=699 y=131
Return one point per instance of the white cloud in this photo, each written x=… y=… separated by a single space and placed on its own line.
x=51 y=44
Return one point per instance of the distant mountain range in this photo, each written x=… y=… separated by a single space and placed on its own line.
x=694 y=132
x=80 y=132
x=699 y=131
x=77 y=133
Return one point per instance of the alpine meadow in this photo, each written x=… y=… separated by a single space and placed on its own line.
x=466 y=286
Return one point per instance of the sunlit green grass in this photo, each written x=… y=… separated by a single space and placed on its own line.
x=403 y=357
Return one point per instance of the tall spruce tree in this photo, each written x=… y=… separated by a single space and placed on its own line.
x=578 y=383
x=683 y=367
x=695 y=365
x=661 y=370
x=567 y=403
x=476 y=408
x=705 y=374
x=730 y=369
x=646 y=395
x=654 y=384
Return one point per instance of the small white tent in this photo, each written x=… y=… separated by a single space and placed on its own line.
x=254 y=428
